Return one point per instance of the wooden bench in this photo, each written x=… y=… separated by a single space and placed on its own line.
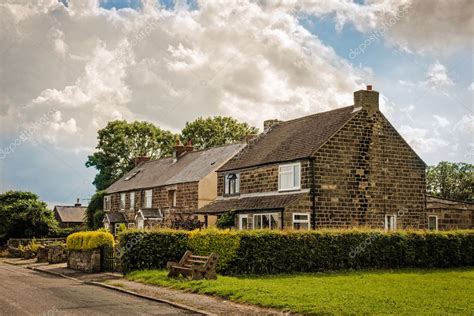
x=196 y=267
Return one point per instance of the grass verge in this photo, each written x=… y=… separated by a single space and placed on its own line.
x=426 y=292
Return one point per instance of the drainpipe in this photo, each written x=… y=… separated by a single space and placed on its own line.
x=313 y=193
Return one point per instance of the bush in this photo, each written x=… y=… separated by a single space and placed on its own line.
x=89 y=240
x=151 y=249
x=270 y=252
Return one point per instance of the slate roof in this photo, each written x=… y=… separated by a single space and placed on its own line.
x=291 y=140
x=71 y=214
x=434 y=202
x=270 y=202
x=191 y=167
x=115 y=217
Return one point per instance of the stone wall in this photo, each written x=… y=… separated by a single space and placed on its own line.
x=367 y=171
x=264 y=178
x=87 y=261
x=186 y=200
x=451 y=214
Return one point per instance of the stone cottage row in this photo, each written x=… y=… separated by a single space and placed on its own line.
x=338 y=169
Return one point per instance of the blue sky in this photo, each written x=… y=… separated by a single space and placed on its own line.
x=252 y=60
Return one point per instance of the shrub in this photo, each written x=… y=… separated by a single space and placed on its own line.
x=270 y=252
x=151 y=249
x=223 y=242
x=89 y=240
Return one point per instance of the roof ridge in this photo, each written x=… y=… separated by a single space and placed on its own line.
x=315 y=114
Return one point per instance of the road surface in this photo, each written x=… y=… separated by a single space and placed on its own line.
x=27 y=292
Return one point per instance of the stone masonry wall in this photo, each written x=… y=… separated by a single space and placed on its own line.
x=263 y=179
x=87 y=261
x=367 y=171
x=451 y=214
x=186 y=200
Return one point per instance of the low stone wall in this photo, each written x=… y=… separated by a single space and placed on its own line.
x=57 y=254
x=87 y=261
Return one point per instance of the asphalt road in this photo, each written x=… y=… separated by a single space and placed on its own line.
x=27 y=292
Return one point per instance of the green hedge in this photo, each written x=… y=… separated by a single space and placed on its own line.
x=89 y=240
x=269 y=252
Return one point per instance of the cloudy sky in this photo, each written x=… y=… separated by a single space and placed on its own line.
x=68 y=67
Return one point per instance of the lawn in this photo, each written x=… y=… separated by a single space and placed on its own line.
x=374 y=292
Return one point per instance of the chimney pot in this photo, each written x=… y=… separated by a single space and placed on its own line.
x=369 y=87
x=179 y=148
x=78 y=203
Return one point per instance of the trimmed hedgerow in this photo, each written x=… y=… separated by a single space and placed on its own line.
x=270 y=252
x=89 y=240
x=151 y=249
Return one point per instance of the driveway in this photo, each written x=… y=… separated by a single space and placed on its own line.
x=26 y=292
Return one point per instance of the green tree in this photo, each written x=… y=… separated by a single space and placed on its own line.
x=22 y=215
x=118 y=145
x=94 y=211
x=451 y=180
x=215 y=131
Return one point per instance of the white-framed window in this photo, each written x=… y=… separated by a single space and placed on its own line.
x=301 y=221
x=390 y=222
x=140 y=222
x=245 y=222
x=107 y=203
x=148 y=198
x=232 y=183
x=432 y=222
x=289 y=177
x=122 y=201
x=132 y=200
x=266 y=221
x=172 y=198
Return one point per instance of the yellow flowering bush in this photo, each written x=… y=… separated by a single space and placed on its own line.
x=89 y=240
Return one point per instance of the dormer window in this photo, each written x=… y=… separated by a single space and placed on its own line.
x=232 y=183
x=289 y=177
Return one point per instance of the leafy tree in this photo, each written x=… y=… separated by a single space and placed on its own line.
x=120 y=142
x=451 y=180
x=226 y=220
x=215 y=131
x=94 y=212
x=22 y=215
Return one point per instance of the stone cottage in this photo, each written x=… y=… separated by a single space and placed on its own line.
x=158 y=191
x=342 y=168
x=70 y=216
x=444 y=214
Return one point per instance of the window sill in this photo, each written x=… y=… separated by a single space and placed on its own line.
x=290 y=190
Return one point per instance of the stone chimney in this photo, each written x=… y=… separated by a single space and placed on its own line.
x=140 y=159
x=78 y=203
x=248 y=138
x=367 y=99
x=179 y=148
x=269 y=123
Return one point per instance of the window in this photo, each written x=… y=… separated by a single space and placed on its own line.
x=122 y=201
x=245 y=222
x=390 y=223
x=266 y=221
x=132 y=200
x=289 y=177
x=117 y=228
x=232 y=183
x=433 y=222
x=301 y=221
x=172 y=198
x=148 y=197
x=140 y=222
x=106 y=203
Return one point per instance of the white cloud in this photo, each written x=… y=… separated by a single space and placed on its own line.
x=471 y=87
x=93 y=65
x=441 y=121
x=435 y=25
x=421 y=139
x=437 y=76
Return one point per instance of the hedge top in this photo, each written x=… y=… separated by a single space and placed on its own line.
x=89 y=240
